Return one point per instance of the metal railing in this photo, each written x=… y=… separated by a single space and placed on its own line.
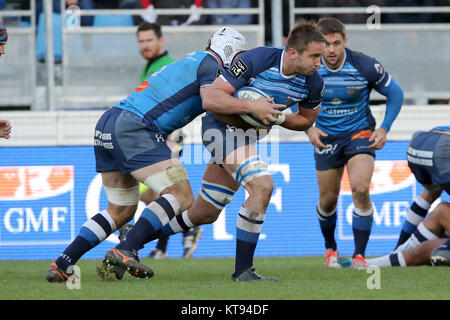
x=115 y=48
x=420 y=69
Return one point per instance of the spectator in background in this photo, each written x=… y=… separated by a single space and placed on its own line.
x=230 y=19
x=413 y=17
x=194 y=17
x=3 y=38
x=151 y=47
x=349 y=17
x=5 y=126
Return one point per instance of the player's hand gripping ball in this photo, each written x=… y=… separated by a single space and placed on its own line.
x=255 y=94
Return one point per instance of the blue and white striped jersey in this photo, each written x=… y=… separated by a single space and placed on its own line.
x=345 y=102
x=261 y=68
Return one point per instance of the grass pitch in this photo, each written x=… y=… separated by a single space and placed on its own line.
x=300 y=278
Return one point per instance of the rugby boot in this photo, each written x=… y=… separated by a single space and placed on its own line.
x=440 y=257
x=55 y=274
x=332 y=259
x=127 y=260
x=250 y=275
x=190 y=241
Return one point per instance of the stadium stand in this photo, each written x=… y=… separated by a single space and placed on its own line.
x=90 y=54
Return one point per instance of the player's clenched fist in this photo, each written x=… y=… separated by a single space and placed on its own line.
x=5 y=129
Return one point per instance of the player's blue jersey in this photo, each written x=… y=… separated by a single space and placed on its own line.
x=261 y=68
x=170 y=98
x=345 y=102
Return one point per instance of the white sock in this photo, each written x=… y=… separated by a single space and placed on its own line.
x=382 y=261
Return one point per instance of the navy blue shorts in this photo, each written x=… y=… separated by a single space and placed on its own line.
x=221 y=139
x=123 y=142
x=341 y=148
x=429 y=158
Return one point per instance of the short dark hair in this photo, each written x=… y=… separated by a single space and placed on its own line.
x=331 y=25
x=145 y=26
x=303 y=33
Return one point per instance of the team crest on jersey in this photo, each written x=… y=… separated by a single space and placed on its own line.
x=238 y=69
x=351 y=91
x=378 y=68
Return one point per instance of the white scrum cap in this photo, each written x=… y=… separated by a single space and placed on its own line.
x=227 y=42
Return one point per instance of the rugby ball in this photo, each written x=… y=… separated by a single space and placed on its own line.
x=252 y=93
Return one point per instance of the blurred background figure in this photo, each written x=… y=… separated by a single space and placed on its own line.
x=193 y=18
x=151 y=47
x=3 y=38
x=5 y=126
x=230 y=19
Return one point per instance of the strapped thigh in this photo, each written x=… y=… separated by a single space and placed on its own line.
x=216 y=194
x=166 y=178
x=123 y=197
x=250 y=169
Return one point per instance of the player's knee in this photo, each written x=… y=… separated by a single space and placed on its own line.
x=441 y=212
x=328 y=201
x=184 y=197
x=187 y=201
x=361 y=192
x=121 y=214
x=261 y=186
x=327 y=207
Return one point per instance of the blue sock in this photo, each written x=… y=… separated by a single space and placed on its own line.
x=152 y=218
x=248 y=227
x=179 y=223
x=415 y=215
x=93 y=231
x=361 y=225
x=327 y=224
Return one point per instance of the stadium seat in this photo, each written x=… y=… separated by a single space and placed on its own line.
x=41 y=49
x=113 y=21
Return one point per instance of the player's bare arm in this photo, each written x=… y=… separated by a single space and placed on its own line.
x=218 y=98
x=302 y=120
